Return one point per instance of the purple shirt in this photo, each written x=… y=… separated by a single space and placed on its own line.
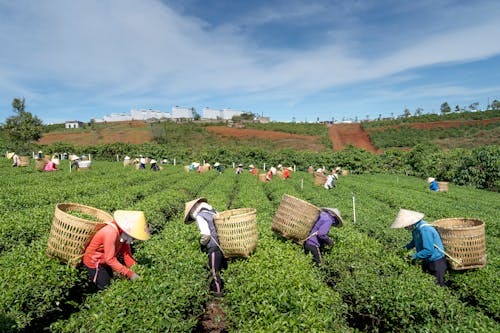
x=322 y=226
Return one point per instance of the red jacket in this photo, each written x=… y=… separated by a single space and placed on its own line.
x=286 y=173
x=105 y=246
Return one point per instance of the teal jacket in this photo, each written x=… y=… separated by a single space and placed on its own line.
x=424 y=237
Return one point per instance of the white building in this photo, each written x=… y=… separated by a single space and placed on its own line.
x=182 y=113
x=73 y=124
x=226 y=114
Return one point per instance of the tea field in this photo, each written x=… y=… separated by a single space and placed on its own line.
x=365 y=284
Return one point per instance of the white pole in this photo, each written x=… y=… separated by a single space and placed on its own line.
x=233 y=165
x=354 y=206
x=174 y=161
x=117 y=159
x=294 y=168
x=203 y=162
x=264 y=167
x=302 y=184
x=90 y=158
x=69 y=166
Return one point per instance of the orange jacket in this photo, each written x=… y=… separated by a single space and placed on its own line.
x=105 y=246
x=286 y=173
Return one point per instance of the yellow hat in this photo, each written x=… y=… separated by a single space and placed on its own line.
x=133 y=223
x=10 y=155
x=406 y=218
x=189 y=207
x=56 y=161
x=290 y=168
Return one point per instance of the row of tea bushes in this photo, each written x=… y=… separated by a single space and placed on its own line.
x=382 y=290
x=276 y=289
x=173 y=287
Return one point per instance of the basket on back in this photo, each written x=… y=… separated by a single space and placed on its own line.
x=294 y=218
x=24 y=161
x=262 y=177
x=319 y=178
x=237 y=231
x=443 y=186
x=70 y=234
x=463 y=239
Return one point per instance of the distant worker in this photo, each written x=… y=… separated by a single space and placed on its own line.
x=239 y=169
x=51 y=165
x=39 y=155
x=252 y=169
x=318 y=236
x=75 y=160
x=194 y=166
x=330 y=180
x=433 y=184
x=426 y=241
x=16 y=161
x=111 y=241
x=142 y=162
x=287 y=172
x=154 y=165
x=200 y=211
x=272 y=172
x=218 y=167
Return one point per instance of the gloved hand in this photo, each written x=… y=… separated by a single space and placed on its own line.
x=329 y=242
x=204 y=240
x=410 y=258
x=135 y=277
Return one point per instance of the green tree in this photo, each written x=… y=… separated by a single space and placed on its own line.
x=495 y=105
x=22 y=128
x=406 y=113
x=418 y=112
x=196 y=115
x=474 y=106
x=457 y=108
x=445 y=108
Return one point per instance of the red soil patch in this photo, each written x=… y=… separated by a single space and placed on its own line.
x=133 y=132
x=282 y=139
x=343 y=135
x=443 y=124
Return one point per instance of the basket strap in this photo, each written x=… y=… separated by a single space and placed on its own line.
x=220 y=248
x=311 y=235
x=456 y=261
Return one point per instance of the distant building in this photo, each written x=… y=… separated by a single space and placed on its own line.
x=73 y=124
x=226 y=114
x=182 y=113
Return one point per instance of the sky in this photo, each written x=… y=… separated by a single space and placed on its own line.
x=287 y=60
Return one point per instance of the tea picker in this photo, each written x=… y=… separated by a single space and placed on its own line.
x=203 y=213
x=113 y=239
x=427 y=242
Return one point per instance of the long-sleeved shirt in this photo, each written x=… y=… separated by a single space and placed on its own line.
x=424 y=236
x=206 y=225
x=105 y=246
x=434 y=186
x=321 y=228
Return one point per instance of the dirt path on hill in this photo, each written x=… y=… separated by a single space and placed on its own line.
x=444 y=124
x=343 y=135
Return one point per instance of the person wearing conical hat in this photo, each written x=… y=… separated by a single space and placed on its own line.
x=252 y=169
x=200 y=211
x=318 y=236
x=287 y=172
x=16 y=161
x=433 y=184
x=218 y=167
x=142 y=162
x=330 y=180
x=114 y=239
x=75 y=160
x=239 y=169
x=426 y=241
x=154 y=165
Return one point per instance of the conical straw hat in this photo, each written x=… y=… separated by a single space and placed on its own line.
x=133 y=223
x=189 y=206
x=10 y=155
x=406 y=218
x=430 y=179
x=336 y=213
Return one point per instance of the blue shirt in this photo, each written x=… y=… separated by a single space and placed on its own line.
x=424 y=237
x=434 y=186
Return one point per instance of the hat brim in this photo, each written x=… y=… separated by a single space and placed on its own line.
x=133 y=223
x=335 y=213
x=189 y=208
x=406 y=218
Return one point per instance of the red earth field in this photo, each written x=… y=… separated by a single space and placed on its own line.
x=341 y=135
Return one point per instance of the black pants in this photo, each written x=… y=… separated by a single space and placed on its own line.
x=216 y=262
x=101 y=277
x=315 y=252
x=436 y=268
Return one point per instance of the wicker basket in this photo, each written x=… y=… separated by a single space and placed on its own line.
x=345 y=172
x=40 y=164
x=294 y=218
x=127 y=162
x=70 y=235
x=24 y=161
x=237 y=231
x=186 y=168
x=262 y=177
x=443 y=186
x=463 y=239
x=319 y=179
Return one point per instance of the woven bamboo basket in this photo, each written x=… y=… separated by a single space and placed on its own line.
x=345 y=172
x=443 y=186
x=319 y=179
x=280 y=174
x=70 y=235
x=237 y=231
x=310 y=170
x=40 y=164
x=206 y=167
x=465 y=240
x=294 y=218
x=127 y=162
x=186 y=168
x=24 y=161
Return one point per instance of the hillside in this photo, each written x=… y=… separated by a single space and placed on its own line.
x=372 y=136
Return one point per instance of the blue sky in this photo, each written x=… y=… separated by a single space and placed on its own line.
x=83 y=59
